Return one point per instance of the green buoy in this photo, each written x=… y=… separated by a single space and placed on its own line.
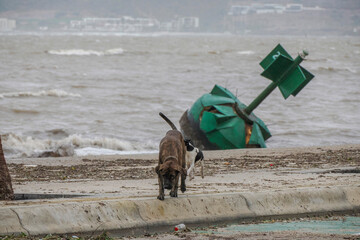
x=218 y=120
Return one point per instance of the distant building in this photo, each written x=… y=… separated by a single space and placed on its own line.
x=239 y=10
x=123 y=24
x=189 y=22
x=130 y=24
x=268 y=8
x=7 y=24
x=294 y=7
x=183 y=24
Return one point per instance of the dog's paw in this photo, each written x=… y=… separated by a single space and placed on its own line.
x=173 y=194
x=183 y=189
x=161 y=197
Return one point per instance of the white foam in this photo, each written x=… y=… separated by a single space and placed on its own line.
x=115 y=51
x=246 y=52
x=102 y=151
x=74 y=52
x=26 y=146
x=95 y=151
x=50 y=93
x=351 y=70
x=82 y=52
x=101 y=142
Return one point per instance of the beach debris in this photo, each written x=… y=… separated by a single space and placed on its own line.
x=180 y=227
x=218 y=120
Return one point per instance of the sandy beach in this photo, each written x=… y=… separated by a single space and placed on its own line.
x=241 y=170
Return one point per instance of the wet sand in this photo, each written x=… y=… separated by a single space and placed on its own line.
x=239 y=170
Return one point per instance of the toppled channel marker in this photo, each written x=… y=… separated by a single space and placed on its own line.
x=218 y=120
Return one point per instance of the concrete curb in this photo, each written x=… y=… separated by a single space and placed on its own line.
x=86 y=216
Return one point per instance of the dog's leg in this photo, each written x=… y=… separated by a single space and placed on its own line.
x=183 y=186
x=161 y=188
x=175 y=183
x=190 y=171
x=161 y=184
x=202 y=168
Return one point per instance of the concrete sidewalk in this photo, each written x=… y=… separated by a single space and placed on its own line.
x=119 y=216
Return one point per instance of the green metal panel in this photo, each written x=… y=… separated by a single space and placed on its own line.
x=276 y=69
x=264 y=130
x=208 y=122
x=292 y=82
x=308 y=77
x=228 y=135
x=272 y=56
x=257 y=137
x=236 y=133
x=220 y=91
x=217 y=138
x=226 y=110
x=211 y=99
x=196 y=109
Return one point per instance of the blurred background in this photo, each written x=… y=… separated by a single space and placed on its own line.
x=300 y=17
x=83 y=77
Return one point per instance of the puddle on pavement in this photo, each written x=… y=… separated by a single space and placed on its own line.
x=35 y=196
x=347 y=225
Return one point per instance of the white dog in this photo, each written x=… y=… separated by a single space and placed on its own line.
x=193 y=155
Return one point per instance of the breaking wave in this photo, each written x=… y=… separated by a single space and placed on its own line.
x=16 y=146
x=246 y=52
x=50 y=93
x=82 y=52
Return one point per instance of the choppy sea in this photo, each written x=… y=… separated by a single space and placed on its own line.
x=100 y=93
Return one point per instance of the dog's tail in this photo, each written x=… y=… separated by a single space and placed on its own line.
x=168 y=121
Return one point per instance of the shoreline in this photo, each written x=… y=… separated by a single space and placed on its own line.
x=225 y=171
x=211 y=154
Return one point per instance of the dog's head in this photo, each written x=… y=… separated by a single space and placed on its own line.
x=170 y=169
x=190 y=148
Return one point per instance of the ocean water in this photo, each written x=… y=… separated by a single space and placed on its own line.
x=100 y=93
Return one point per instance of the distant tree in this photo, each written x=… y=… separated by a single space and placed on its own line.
x=6 y=190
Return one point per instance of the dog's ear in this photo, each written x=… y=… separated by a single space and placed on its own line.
x=163 y=169
x=181 y=170
x=189 y=145
x=199 y=155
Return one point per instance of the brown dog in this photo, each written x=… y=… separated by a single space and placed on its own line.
x=171 y=162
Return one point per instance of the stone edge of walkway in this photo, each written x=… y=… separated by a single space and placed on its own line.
x=137 y=216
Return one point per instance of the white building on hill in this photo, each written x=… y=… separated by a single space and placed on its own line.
x=7 y=24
